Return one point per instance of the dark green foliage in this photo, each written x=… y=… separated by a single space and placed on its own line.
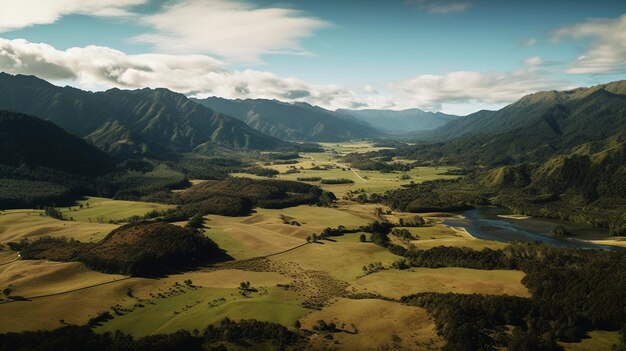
x=30 y=194
x=337 y=181
x=309 y=179
x=432 y=196
x=53 y=212
x=196 y=221
x=573 y=291
x=365 y=162
x=560 y=231
x=237 y=196
x=402 y=233
x=262 y=172
x=283 y=156
x=209 y=168
x=244 y=333
x=139 y=249
x=26 y=140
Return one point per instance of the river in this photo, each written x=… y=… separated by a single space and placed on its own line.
x=486 y=223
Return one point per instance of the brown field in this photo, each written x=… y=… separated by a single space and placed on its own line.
x=27 y=225
x=381 y=325
x=395 y=284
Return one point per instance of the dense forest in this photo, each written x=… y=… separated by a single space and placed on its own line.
x=226 y=335
x=138 y=249
x=237 y=196
x=573 y=291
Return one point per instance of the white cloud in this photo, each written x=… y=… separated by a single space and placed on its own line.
x=462 y=87
x=98 y=68
x=607 y=53
x=533 y=61
x=15 y=14
x=440 y=7
x=233 y=29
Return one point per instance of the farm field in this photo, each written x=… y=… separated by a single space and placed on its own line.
x=28 y=224
x=372 y=320
x=103 y=210
x=395 y=283
x=369 y=181
x=599 y=340
x=293 y=282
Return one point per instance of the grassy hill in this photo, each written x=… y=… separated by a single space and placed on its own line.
x=299 y=121
x=135 y=249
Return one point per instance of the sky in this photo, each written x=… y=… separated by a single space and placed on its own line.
x=454 y=56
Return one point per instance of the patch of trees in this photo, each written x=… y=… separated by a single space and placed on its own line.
x=432 y=196
x=16 y=193
x=139 y=249
x=262 y=172
x=309 y=179
x=273 y=156
x=237 y=196
x=205 y=167
x=337 y=181
x=382 y=164
x=242 y=334
x=573 y=291
x=403 y=234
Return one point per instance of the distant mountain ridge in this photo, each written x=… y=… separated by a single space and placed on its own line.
x=297 y=121
x=562 y=108
x=401 y=122
x=139 y=121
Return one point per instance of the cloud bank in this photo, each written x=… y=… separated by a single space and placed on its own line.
x=235 y=30
x=607 y=52
x=98 y=68
x=24 y=13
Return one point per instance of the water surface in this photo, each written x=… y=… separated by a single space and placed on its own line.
x=486 y=223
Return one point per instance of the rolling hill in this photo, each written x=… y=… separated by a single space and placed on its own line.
x=401 y=122
x=131 y=121
x=298 y=121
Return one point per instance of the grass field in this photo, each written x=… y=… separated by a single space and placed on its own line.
x=370 y=181
x=381 y=325
x=343 y=258
x=599 y=340
x=215 y=298
x=27 y=224
x=395 y=283
x=34 y=278
x=99 y=209
x=264 y=232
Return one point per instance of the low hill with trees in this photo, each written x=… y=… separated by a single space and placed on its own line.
x=139 y=249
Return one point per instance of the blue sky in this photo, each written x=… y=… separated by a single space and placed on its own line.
x=452 y=55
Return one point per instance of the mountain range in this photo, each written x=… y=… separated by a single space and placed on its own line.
x=402 y=122
x=297 y=122
x=140 y=122
x=533 y=128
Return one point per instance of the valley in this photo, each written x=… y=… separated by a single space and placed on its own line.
x=292 y=282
